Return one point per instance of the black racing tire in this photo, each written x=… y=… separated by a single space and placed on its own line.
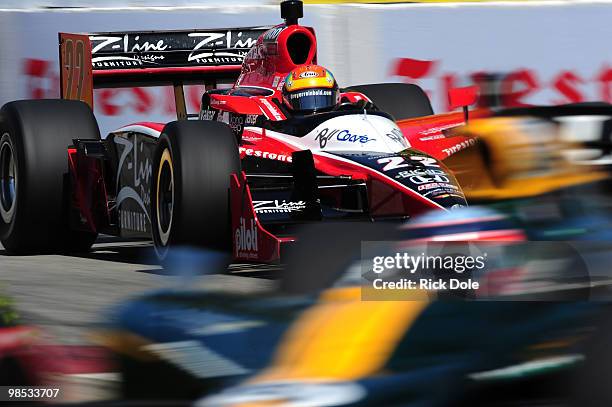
x=190 y=205
x=34 y=176
x=400 y=100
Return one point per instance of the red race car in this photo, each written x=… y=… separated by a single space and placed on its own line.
x=282 y=146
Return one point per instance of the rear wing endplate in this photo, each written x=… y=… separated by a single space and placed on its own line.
x=76 y=77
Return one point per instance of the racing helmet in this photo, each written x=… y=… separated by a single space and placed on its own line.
x=310 y=89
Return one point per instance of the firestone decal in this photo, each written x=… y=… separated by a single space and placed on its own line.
x=514 y=88
x=265 y=154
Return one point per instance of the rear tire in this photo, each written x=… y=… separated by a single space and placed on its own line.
x=34 y=175
x=400 y=100
x=191 y=207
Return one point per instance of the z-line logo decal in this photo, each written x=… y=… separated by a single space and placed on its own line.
x=341 y=135
x=135 y=50
x=208 y=38
x=276 y=207
x=134 y=177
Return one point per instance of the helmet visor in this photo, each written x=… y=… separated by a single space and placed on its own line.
x=311 y=100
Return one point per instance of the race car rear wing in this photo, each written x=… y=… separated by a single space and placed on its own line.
x=153 y=58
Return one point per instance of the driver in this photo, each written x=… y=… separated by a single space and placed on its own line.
x=310 y=89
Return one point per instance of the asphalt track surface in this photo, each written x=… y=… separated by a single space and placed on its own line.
x=68 y=296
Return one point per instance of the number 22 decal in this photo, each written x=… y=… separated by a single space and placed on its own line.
x=394 y=163
x=74 y=60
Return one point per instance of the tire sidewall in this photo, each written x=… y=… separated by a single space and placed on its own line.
x=40 y=132
x=201 y=208
x=162 y=245
x=7 y=228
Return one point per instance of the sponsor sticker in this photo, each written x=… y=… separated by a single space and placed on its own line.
x=460 y=146
x=437 y=185
x=278 y=207
x=250 y=119
x=420 y=172
x=246 y=238
x=308 y=74
x=132 y=220
x=235 y=123
x=265 y=154
x=342 y=136
x=208 y=114
x=311 y=92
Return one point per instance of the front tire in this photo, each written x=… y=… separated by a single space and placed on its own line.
x=34 y=175
x=191 y=208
